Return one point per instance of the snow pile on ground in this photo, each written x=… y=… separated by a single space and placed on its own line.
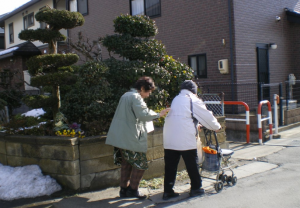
x=34 y=112
x=25 y=182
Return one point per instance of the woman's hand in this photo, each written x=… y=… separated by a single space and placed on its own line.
x=164 y=112
x=199 y=127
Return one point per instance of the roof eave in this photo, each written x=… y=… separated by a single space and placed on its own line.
x=24 y=6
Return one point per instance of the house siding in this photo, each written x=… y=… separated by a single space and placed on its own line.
x=18 y=25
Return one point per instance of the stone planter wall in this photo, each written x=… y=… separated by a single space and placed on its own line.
x=291 y=116
x=82 y=164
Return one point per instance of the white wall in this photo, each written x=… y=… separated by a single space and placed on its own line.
x=18 y=26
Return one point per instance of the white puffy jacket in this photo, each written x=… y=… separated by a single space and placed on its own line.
x=179 y=129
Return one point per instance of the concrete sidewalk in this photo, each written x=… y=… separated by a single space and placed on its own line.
x=246 y=161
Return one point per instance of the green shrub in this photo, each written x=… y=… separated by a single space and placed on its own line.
x=90 y=99
x=136 y=26
x=24 y=125
x=12 y=98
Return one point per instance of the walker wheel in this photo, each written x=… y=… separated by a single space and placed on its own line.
x=229 y=180
x=223 y=178
x=219 y=186
x=234 y=180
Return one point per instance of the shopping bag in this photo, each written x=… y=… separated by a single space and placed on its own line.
x=199 y=150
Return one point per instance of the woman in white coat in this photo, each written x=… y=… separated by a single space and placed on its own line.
x=180 y=137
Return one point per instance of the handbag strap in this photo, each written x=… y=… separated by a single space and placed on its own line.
x=192 y=114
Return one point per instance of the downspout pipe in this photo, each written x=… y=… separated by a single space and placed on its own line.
x=231 y=50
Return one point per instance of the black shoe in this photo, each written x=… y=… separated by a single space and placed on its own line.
x=167 y=196
x=197 y=192
x=123 y=192
x=135 y=193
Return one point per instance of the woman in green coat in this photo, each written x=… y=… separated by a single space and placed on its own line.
x=128 y=134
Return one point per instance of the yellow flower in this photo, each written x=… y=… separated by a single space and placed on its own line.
x=175 y=77
x=184 y=71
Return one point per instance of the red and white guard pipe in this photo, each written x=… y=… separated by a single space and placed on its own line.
x=259 y=119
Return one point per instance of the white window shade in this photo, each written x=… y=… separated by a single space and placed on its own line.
x=73 y=5
x=27 y=80
x=137 y=7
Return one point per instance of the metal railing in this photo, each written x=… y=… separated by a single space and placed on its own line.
x=214 y=103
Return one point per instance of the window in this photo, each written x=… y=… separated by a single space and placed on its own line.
x=150 y=8
x=5 y=77
x=28 y=20
x=198 y=64
x=82 y=6
x=11 y=32
x=43 y=25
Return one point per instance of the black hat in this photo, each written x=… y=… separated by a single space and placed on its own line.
x=189 y=85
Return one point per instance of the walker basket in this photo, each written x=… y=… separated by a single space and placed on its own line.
x=211 y=162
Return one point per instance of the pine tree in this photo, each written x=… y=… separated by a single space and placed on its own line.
x=51 y=69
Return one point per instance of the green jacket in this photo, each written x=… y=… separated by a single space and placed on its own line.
x=128 y=127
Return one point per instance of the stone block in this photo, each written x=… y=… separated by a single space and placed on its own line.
x=3 y=159
x=156 y=169
x=55 y=140
x=95 y=150
x=97 y=165
x=158 y=152
x=21 y=139
x=101 y=180
x=150 y=140
x=149 y=154
x=60 y=167
x=158 y=139
x=92 y=140
x=43 y=151
x=2 y=147
x=14 y=149
x=67 y=181
x=48 y=166
x=15 y=161
x=59 y=152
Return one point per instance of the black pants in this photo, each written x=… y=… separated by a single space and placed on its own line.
x=172 y=158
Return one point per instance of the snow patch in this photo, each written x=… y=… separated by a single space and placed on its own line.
x=34 y=112
x=25 y=182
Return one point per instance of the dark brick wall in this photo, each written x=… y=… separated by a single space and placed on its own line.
x=195 y=27
x=184 y=28
x=99 y=21
x=15 y=63
x=255 y=22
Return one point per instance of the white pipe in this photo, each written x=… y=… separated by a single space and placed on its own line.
x=275 y=114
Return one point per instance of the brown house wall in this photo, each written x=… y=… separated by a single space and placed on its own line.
x=99 y=21
x=184 y=28
x=197 y=27
x=255 y=22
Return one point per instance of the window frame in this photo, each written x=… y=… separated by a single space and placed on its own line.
x=197 y=62
x=5 y=77
x=29 y=23
x=11 y=32
x=145 y=11
x=43 y=25
x=87 y=8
